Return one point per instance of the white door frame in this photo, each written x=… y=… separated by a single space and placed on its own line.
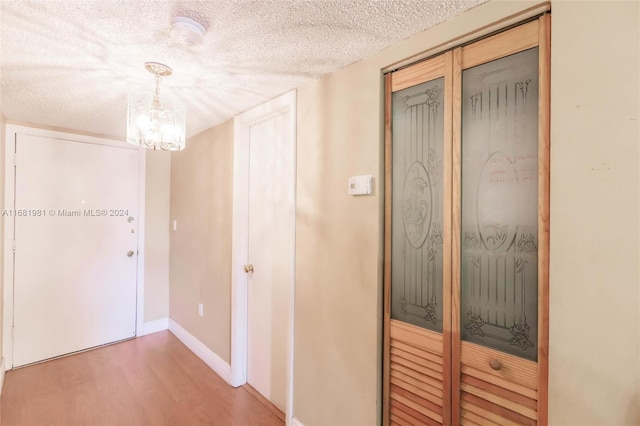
x=9 y=188
x=240 y=248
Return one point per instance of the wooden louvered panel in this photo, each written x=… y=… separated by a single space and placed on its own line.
x=437 y=367
x=435 y=382
x=433 y=390
x=395 y=359
x=415 y=375
x=502 y=402
x=514 y=369
x=395 y=420
x=509 y=392
x=410 y=415
x=467 y=422
x=499 y=381
x=497 y=409
x=501 y=392
x=418 y=404
x=437 y=358
x=416 y=336
x=399 y=417
x=417 y=391
x=406 y=414
x=491 y=418
x=468 y=417
x=429 y=407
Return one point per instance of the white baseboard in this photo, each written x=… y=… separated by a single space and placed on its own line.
x=296 y=422
x=217 y=364
x=154 y=326
x=1 y=375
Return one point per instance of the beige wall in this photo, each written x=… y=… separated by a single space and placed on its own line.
x=200 y=271
x=595 y=334
x=595 y=330
x=156 y=261
x=337 y=250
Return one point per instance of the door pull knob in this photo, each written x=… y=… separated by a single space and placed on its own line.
x=495 y=364
x=248 y=268
x=130 y=253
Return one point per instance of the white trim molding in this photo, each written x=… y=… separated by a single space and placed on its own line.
x=1 y=375
x=213 y=360
x=142 y=214
x=154 y=326
x=284 y=104
x=295 y=422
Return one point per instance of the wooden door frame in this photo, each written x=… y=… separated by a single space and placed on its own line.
x=240 y=248
x=11 y=134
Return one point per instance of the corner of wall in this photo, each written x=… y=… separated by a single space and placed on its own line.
x=217 y=364
x=156 y=236
x=201 y=181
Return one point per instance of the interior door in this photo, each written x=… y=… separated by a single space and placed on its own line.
x=75 y=246
x=467 y=234
x=501 y=227
x=270 y=252
x=418 y=244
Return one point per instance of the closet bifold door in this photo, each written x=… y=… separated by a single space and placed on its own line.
x=501 y=228
x=417 y=289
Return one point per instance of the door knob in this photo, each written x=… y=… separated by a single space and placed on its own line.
x=248 y=268
x=495 y=364
x=130 y=253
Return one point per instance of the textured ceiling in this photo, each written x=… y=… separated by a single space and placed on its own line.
x=70 y=64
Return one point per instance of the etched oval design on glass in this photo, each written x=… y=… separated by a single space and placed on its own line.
x=417 y=204
x=497 y=202
x=499 y=205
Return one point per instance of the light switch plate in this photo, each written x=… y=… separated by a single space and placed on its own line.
x=360 y=185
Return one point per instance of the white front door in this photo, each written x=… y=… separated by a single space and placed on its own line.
x=270 y=247
x=75 y=246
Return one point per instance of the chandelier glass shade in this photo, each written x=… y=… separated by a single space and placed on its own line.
x=154 y=122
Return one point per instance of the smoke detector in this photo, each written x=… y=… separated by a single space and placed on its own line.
x=187 y=31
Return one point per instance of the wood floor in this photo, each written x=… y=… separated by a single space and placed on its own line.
x=152 y=380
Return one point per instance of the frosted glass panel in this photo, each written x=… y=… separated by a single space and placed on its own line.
x=499 y=281
x=416 y=224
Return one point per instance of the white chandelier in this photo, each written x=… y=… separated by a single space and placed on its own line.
x=152 y=123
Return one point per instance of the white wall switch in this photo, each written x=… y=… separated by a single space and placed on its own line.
x=200 y=309
x=175 y=224
x=360 y=185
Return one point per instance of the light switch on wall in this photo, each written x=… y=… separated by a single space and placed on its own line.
x=175 y=225
x=360 y=185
